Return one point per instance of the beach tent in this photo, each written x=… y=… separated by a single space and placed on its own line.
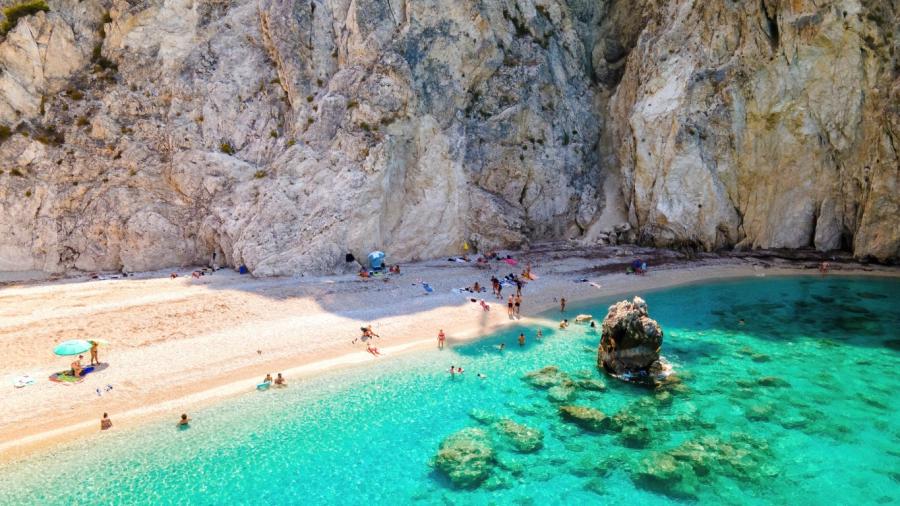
x=376 y=260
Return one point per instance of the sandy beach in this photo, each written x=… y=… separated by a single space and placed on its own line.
x=179 y=344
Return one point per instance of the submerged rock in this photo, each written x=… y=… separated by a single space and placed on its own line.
x=630 y=343
x=593 y=385
x=562 y=393
x=772 y=381
x=681 y=471
x=546 y=377
x=523 y=438
x=483 y=417
x=585 y=417
x=466 y=457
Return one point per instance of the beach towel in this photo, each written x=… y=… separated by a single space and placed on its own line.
x=24 y=381
x=511 y=261
x=427 y=287
x=66 y=376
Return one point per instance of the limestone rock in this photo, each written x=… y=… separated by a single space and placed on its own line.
x=258 y=133
x=682 y=471
x=466 y=457
x=586 y=417
x=547 y=377
x=523 y=438
x=630 y=342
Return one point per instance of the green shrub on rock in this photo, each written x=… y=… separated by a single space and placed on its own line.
x=20 y=10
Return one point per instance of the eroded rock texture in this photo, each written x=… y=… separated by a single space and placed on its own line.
x=630 y=341
x=283 y=134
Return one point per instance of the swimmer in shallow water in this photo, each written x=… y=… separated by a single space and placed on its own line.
x=482 y=376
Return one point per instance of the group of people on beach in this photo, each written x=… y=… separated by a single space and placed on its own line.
x=278 y=381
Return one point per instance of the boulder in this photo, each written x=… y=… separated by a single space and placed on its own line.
x=681 y=471
x=547 y=377
x=523 y=438
x=585 y=417
x=630 y=342
x=466 y=457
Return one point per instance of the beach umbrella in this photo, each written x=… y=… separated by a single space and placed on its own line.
x=73 y=347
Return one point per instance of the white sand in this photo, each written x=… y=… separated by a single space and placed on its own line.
x=177 y=345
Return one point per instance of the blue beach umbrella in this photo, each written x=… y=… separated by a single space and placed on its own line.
x=73 y=347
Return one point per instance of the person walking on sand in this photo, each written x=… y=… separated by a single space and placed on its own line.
x=509 y=306
x=441 y=339
x=94 y=357
x=105 y=422
x=521 y=339
x=519 y=287
x=562 y=305
x=518 y=304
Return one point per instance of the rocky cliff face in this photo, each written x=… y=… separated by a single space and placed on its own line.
x=282 y=134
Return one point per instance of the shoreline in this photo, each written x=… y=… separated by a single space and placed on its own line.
x=402 y=331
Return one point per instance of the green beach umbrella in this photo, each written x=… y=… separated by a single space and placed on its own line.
x=73 y=347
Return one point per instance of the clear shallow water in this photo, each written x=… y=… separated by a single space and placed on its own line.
x=823 y=431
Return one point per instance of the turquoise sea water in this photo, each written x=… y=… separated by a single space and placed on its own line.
x=795 y=406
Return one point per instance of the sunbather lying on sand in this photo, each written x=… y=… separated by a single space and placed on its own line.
x=373 y=350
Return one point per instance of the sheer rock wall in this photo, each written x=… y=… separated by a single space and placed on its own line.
x=282 y=134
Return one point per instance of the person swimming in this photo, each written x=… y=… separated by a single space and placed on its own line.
x=539 y=334
x=521 y=339
x=501 y=346
x=184 y=422
x=481 y=376
x=268 y=378
x=564 y=324
x=279 y=381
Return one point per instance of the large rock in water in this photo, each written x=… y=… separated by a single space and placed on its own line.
x=466 y=457
x=630 y=342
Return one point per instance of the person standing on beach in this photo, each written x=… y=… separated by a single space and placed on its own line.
x=509 y=306
x=105 y=422
x=441 y=339
x=518 y=304
x=94 y=357
x=562 y=305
